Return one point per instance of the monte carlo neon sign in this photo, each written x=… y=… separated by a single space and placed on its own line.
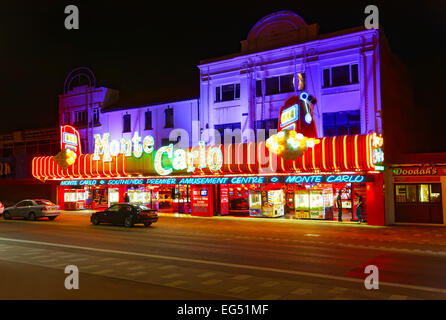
x=165 y=160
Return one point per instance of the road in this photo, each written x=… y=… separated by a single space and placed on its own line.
x=218 y=258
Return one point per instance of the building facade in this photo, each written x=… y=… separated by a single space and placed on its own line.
x=338 y=92
x=282 y=57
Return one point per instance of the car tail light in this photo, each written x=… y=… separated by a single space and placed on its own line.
x=45 y=209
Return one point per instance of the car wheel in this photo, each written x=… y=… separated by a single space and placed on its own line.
x=31 y=216
x=51 y=218
x=95 y=220
x=128 y=222
x=147 y=224
x=6 y=215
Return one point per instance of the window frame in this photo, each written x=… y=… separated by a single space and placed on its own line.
x=124 y=117
x=330 y=73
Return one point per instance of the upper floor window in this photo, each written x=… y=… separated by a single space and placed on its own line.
x=96 y=115
x=230 y=130
x=168 y=117
x=67 y=118
x=126 y=127
x=281 y=84
x=227 y=92
x=266 y=125
x=341 y=75
x=80 y=117
x=148 y=120
x=341 y=123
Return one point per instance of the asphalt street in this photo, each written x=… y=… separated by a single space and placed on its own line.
x=219 y=258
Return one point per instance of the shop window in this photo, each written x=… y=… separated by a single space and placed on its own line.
x=435 y=192
x=423 y=193
x=126 y=123
x=418 y=193
x=168 y=117
x=148 y=120
x=341 y=123
x=341 y=75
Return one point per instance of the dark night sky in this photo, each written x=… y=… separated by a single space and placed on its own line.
x=150 y=52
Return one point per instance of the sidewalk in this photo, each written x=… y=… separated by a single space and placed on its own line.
x=235 y=218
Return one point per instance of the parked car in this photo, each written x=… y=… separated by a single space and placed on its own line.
x=2 y=208
x=32 y=210
x=125 y=214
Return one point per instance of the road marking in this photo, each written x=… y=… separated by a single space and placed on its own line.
x=227 y=264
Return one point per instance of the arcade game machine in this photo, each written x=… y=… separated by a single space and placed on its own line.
x=314 y=204
x=302 y=204
x=255 y=203
x=269 y=204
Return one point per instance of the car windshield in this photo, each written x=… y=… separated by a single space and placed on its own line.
x=140 y=207
x=44 y=203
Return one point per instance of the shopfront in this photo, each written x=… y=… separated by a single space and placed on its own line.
x=245 y=179
x=419 y=193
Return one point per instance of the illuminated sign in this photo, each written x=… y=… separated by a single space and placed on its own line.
x=379 y=168
x=335 y=178
x=288 y=116
x=415 y=171
x=326 y=179
x=135 y=146
x=70 y=139
x=167 y=160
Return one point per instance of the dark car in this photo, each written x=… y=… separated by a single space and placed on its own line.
x=125 y=214
x=32 y=210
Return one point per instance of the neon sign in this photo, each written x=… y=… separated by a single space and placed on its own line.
x=335 y=178
x=167 y=160
x=103 y=146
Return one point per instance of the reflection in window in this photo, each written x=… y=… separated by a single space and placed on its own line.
x=411 y=193
x=435 y=192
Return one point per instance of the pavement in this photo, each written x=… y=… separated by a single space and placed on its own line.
x=219 y=258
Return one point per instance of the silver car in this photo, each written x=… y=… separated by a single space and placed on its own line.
x=32 y=210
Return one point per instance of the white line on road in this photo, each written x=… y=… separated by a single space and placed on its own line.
x=226 y=264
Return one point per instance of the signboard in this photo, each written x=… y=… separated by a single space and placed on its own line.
x=416 y=171
x=70 y=139
x=224 y=199
x=333 y=178
x=201 y=201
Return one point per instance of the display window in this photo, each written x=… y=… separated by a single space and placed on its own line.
x=419 y=203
